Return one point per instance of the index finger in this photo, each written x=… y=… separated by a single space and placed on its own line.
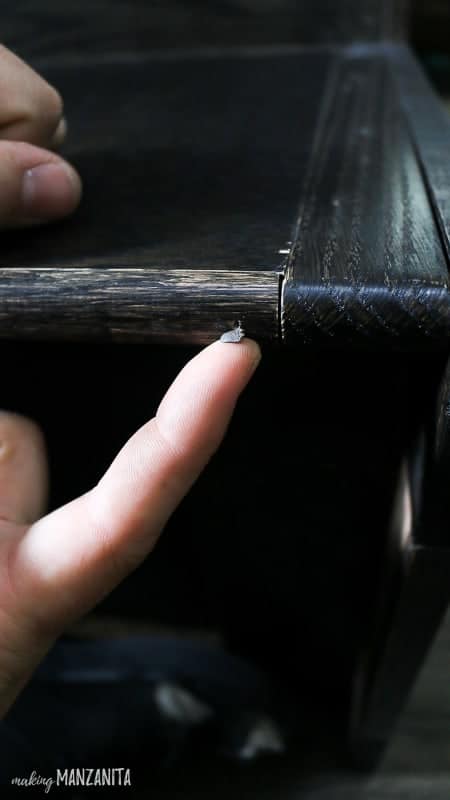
x=71 y=558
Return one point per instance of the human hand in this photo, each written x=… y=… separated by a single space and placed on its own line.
x=55 y=569
x=36 y=185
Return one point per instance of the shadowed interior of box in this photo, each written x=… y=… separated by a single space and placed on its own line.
x=278 y=546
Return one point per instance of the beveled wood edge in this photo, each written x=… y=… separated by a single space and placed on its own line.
x=137 y=304
x=405 y=317
x=429 y=125
x=377 y=316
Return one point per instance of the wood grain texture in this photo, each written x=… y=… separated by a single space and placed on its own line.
x=189 y=196
x=367 y=263
x=46 y=27
x=181 y=236
x=429 y=124
x=226 y=146
x=136 y=304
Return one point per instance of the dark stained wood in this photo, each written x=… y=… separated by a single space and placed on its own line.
x=189 y=162
x=172 y=306
x=224 y=151
x=429 y=124
x=367 y=262
x=191 y=180
x=81 y=27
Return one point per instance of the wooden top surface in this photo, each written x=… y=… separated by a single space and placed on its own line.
x=192 y=162
x=42 y=28
x=309 y=162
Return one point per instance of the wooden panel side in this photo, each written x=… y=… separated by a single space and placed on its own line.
x=367 y=265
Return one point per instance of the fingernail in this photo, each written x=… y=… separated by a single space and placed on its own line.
x=60 y=133
x=50 y=190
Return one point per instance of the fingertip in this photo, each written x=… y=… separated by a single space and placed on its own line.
x=199 y=404
x=250 y=349
x=247 y=352
x=50 y=191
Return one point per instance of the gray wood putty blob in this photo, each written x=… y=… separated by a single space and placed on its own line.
x=235 y=335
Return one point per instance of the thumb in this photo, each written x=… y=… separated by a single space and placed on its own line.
x=23 y=470
x=36 y=186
